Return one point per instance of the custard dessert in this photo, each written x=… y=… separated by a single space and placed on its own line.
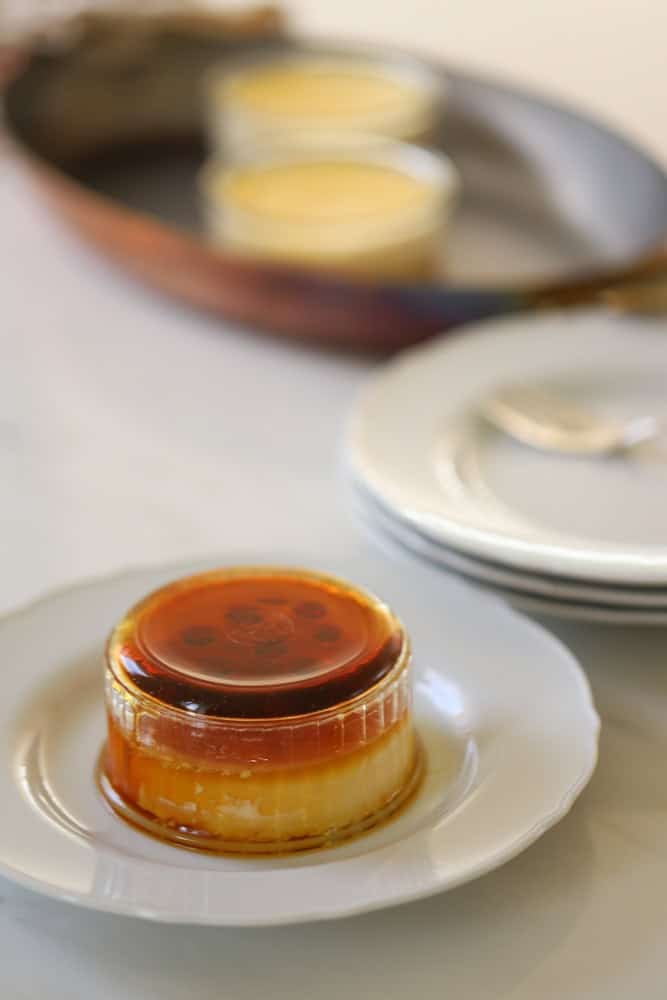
x=258 y=710
x=286 y=98
x=374 y=214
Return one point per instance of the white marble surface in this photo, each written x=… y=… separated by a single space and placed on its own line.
x=132 y=432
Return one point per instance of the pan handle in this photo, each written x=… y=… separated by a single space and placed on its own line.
x=641 y=289
x=647 y=297
x=421 y=311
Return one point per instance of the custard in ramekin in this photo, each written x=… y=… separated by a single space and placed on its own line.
x=378 y=211
x=285 y=98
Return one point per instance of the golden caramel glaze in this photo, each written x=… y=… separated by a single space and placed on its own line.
x=257 y=668
x=254 y=645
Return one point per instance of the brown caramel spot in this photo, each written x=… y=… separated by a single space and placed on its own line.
x=199 y=635
x=310 y=609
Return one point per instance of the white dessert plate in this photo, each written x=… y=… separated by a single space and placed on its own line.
x=505 y=714
x=539 y=585
x=388 y=532
x=418 y=446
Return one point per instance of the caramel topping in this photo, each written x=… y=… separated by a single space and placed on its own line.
x=256 y=645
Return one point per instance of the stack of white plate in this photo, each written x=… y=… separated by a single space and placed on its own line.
x=571 y=536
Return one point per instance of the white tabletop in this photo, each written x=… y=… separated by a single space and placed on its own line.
x=133 y=431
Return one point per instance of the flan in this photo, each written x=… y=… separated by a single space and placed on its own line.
x=258 y=710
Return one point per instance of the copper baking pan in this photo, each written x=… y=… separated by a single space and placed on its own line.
x=557 y=209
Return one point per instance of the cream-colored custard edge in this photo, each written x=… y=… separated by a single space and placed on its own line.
x=279 y=807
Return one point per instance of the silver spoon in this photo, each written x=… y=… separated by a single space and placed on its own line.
x=545 y=420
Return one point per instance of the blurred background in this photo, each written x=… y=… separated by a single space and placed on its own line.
x=580 y=50
x=604 y=58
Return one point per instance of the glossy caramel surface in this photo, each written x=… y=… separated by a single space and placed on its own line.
x=255 y=644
